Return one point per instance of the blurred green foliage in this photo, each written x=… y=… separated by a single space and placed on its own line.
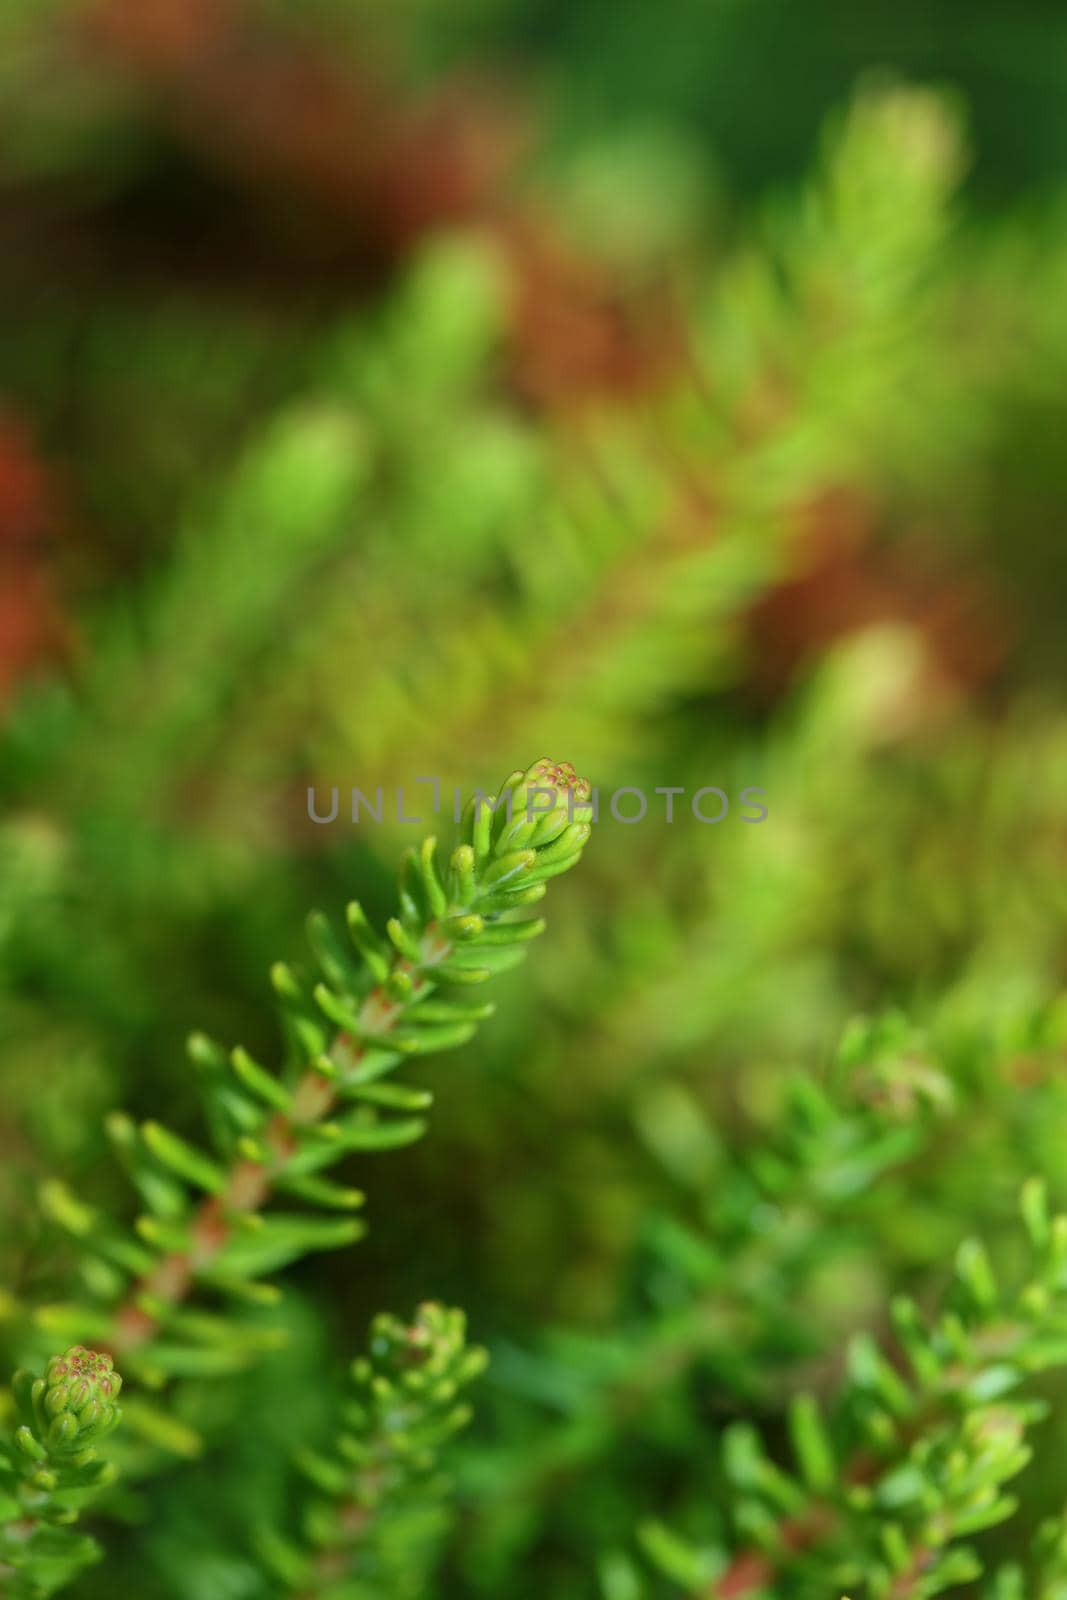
x=692 y=407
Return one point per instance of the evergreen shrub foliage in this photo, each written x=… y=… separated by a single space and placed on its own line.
x=750 y=1184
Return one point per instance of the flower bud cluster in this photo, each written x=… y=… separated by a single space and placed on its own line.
x=548 y=804
x=74 y=1403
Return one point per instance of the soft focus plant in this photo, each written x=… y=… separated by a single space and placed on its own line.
x=345 y=439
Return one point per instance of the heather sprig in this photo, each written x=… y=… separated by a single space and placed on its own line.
x=914 y=1459
x=50 y=1469
x=379 y=1509
x=374 y=1003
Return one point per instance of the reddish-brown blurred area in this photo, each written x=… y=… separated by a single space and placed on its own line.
x=346 y=166
x=33 y=629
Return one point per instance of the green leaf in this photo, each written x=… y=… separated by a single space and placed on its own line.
x=320 y=1191
x=686 y=1564
x=394 y=1096
x=261 y=1083
x=358 y=1132
x=281 y=1240
x=182 y=1158
x=431 y=1039
x=811 y=1443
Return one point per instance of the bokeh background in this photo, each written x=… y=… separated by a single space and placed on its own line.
x=412 y=388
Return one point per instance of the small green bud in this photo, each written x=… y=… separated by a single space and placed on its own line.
x=63 y=1430
x=508 y=868
x=75 y=1400
x=433 y=1342
x=542 y=802
x=30 y=1447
